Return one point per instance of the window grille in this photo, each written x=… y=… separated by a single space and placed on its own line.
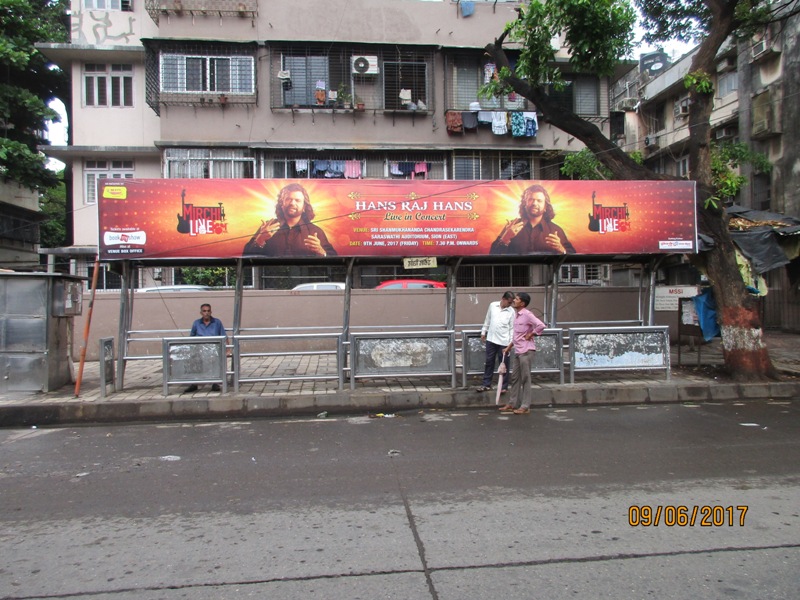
x=108 y=85
x=123 y=5
x=493 y=165
x=94 y=170
x=182 y=73
x=465 y=75
x=349 y=164
x=495 y=275
x=209 y=163
x=199 y=73
x=727 y=83
x=581 y=94
x=316 y=76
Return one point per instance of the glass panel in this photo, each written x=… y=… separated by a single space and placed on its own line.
x=195 y=74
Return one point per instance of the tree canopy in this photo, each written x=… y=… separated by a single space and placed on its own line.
x=599 y=34
x=28 y=82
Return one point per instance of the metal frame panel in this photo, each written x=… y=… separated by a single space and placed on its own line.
x=619 y=349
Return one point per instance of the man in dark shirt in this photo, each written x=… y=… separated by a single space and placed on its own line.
x=534 y=232
x=292 y=233
x=206 y=325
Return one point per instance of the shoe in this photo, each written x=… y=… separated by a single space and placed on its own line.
x=522 y=411
x=506 y=408
x=482 y=388
x=190 y=389
x=503 y=391
x=215 y=387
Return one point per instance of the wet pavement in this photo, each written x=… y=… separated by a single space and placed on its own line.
x=699 y=377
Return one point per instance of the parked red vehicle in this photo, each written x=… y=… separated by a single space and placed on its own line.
x=409 y=284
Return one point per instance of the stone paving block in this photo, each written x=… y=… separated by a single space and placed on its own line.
x=789 y=389
x=693 y=393
x=662 y=393
x=724 y=391
x=189 y=406
x=261 y=405
x=155 y=409
x=229 y=405
x=568 y=395
x=752 y=391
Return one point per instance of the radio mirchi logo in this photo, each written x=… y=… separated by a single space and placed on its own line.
x=201 y=220
x=609 y=219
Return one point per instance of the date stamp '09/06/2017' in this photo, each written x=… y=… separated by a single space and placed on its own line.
x=686 y=516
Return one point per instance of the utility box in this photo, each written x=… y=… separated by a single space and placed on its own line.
x=37 y=312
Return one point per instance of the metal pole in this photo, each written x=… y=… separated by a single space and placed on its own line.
x=122 y=332
x=86 y=327
x=450 y=314
x=554 y=299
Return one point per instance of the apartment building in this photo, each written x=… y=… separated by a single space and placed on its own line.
x=753 y=104
x=246 y=89
x=19 y=227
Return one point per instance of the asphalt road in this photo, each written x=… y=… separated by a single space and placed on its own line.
x=433 y=505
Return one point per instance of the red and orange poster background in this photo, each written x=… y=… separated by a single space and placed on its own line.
x=160 y=219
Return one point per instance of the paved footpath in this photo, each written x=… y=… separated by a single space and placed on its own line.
x=698 y=379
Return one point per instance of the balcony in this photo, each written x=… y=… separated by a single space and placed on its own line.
x=245 y=9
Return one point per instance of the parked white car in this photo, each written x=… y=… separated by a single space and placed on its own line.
x=325 y=285
x=176 y=288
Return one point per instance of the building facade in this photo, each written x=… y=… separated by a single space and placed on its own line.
x=245 y=89
x=754 y=92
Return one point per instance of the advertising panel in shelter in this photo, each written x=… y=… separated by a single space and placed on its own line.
x=162 y=219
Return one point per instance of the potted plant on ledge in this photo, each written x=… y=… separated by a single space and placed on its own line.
x=344 y=99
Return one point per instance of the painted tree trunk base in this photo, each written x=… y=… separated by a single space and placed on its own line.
x=746 y=355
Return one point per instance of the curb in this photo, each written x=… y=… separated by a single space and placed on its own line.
x=345 y=402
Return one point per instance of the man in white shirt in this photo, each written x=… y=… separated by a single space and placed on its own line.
x=496 y=332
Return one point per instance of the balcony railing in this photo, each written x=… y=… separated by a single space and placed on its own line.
x=246 y=9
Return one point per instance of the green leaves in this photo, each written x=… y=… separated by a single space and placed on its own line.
x=28 y=82
x=598 y=33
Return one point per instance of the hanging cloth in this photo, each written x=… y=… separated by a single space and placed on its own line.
x=517 y=124
x=470 y=120
x=467 y=8
x=453 y=122
x=352 y=169
x=531 y=123
x=499 y=123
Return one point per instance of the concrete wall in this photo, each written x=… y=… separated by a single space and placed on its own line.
x=370 y=308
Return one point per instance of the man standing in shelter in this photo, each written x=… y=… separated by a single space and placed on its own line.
x=526 y=326
x=496 y=334
x=206 y=325
x=534 y=231
x=293 y=232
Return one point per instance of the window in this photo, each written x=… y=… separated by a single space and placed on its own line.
x=404 y=83
x=108 y=85
x=124 y=5
x=309 y=82
x=581 y=94
x=466 y=75
x=229 y=74
x=727 y=83
x=682 y=167
x=206 y=163
x=493 y=165
x=95 y=170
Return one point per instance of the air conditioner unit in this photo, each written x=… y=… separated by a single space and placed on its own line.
x=726 y=64
x=760 y=47
x=628 y=103
x=684 y=109
x=725 y=133
x=365 y=65
x=651 y=142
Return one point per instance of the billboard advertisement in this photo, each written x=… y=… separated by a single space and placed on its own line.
x=163 y=219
